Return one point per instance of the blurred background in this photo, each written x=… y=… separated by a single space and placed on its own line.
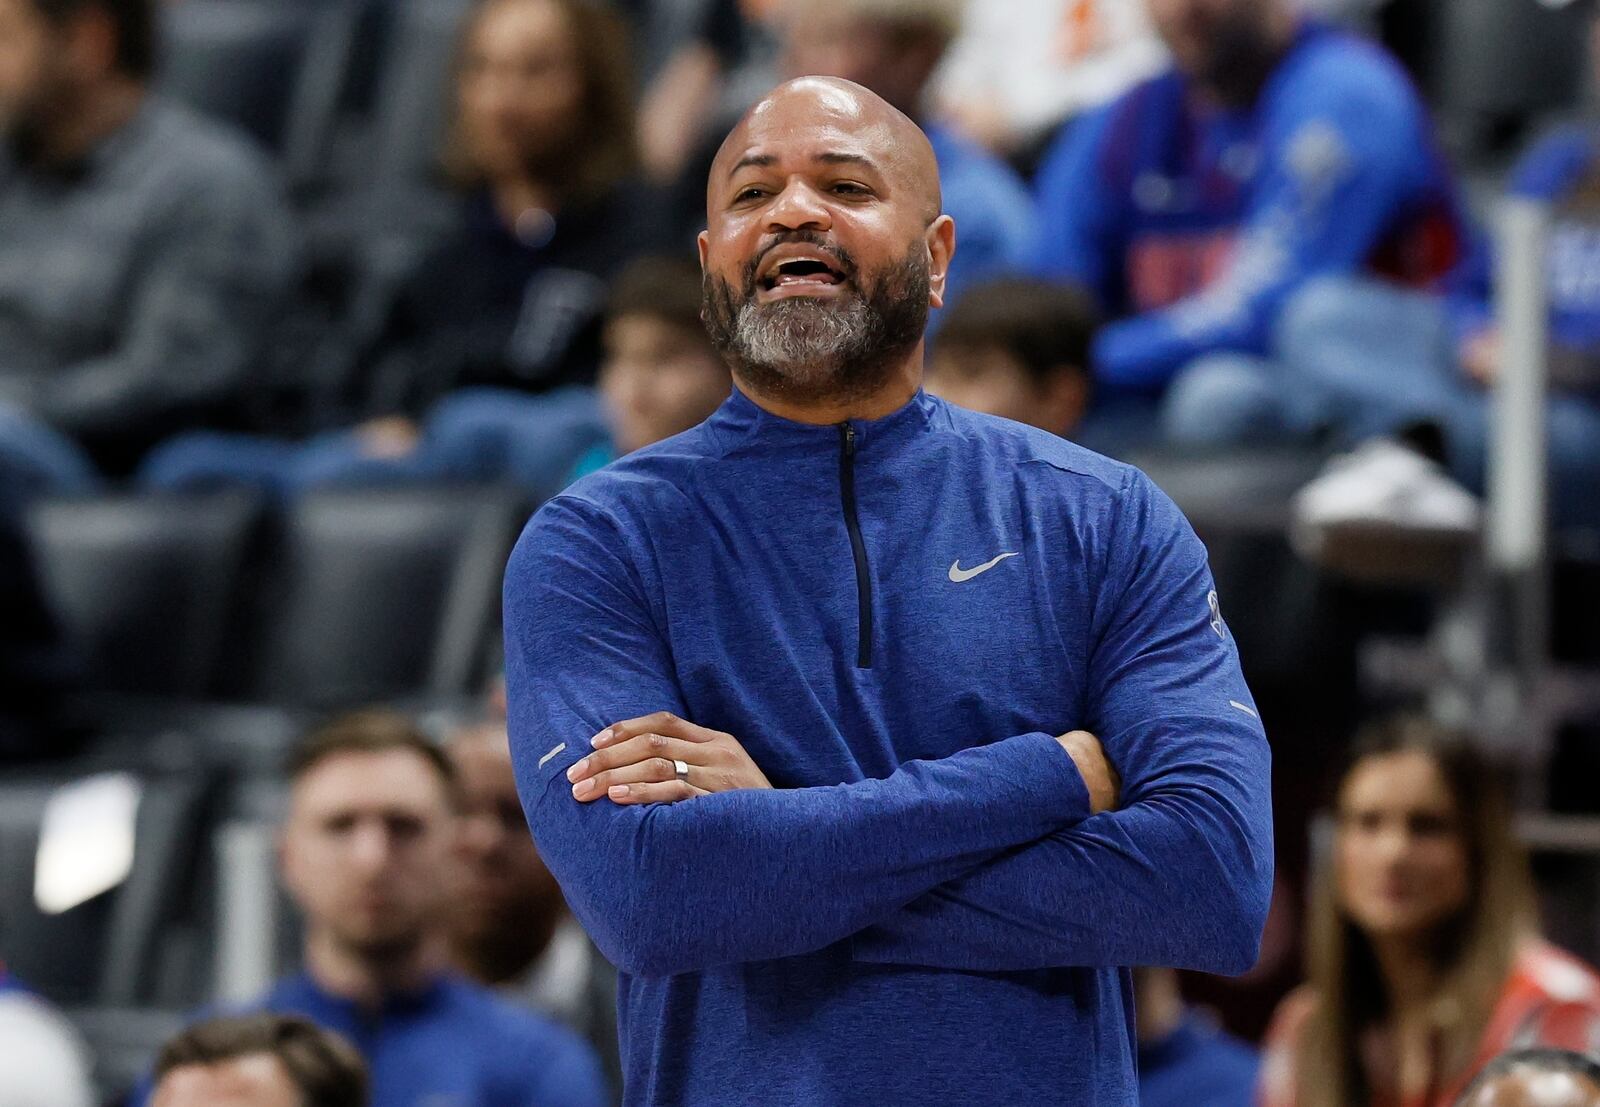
x=305 y=305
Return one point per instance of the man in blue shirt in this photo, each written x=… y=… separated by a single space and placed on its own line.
x=1273 y=152
x=366 y=852
x=1184 y=1060
x=801 y=700
x=894 y=47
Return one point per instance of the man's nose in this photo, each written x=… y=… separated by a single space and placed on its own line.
x=799 y=207
x=370 y=848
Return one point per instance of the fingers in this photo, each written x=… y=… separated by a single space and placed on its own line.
x=670 y=791
x=659 y=722
x=643 y=747
x=652 y=770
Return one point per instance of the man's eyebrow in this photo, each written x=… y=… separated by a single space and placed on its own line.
x=758 y=160
x=762 y=161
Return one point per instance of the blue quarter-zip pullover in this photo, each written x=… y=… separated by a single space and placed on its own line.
x=894 y=617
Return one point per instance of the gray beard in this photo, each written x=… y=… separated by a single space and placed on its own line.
x=809 y=344
x=805 y=349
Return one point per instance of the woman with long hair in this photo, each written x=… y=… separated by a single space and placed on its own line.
x=1423 y=952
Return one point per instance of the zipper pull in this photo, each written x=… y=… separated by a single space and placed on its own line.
x=849 y=440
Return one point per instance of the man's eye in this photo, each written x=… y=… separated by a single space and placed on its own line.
x=850 y=188
x=751 y=193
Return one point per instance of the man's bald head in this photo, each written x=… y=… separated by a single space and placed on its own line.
x=808 y=107
x=1536 y=1078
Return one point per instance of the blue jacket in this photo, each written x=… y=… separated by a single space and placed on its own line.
x=1197 y=1065
x=923 y=910
x=1194 y=225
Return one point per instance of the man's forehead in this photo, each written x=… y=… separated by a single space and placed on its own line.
x=811 y=142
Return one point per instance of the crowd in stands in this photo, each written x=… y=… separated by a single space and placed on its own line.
x=1190 y=225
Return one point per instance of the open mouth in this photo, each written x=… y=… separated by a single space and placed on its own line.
x=802 y=271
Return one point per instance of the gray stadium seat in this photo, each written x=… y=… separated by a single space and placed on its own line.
x=413 y=101
x=141 y=942
x=145 y=584
x=381 y=595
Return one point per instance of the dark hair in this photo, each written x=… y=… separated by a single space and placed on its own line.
x=374 y=730
x=325 y=1068
x=667 y=288
x=135 y=21
x=604 y=152
x=1473 y=952
x=1046 y=327
x=1541 y=1059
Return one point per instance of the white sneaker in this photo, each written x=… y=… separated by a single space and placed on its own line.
x=1384 y=512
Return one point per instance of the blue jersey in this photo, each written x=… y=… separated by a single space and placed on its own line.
x=1194 y=224
x=454 y=1044
x=894 y=617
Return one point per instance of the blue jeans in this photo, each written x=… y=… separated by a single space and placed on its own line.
x=479 y=435
x=36 y=459
x=1374 y=358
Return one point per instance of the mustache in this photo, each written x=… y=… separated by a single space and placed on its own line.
x=842 y=259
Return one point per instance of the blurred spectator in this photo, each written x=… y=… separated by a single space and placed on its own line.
x=893 y=48
x=37 y=664
x=1021 y=67
x=660 y=376
x=511 y=928
x=367 y=850
x=1185 y=1061
x=42 y=1060
x=143 y=250
x=1391 y=364
x=699 y=43
x=1536 y=1078
x=508 y=304
x=1018 y=349
x=1275 y=151
x=1424 y=960
x=259 y=1061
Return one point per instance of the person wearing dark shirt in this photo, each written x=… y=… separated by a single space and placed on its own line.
x=144 y=251
x=1185 y=1061
x=367 y=850
x=1274 y=151
x=869 y=737
x=505 y=307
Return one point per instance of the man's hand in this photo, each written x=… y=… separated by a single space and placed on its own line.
x=1105 y=786
x=633 y=762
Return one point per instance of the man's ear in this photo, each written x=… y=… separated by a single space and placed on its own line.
x=703 y=242
x=941 y=240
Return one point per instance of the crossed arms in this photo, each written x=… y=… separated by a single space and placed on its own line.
x=990 y=859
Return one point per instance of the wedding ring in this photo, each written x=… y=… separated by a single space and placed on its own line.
x=680 y=770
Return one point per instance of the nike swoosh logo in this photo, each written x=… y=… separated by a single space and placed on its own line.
x=959 y=575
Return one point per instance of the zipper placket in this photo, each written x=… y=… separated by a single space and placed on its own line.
x=847 y=492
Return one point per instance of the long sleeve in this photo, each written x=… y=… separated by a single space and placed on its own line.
x=1340 y=164
x=737 y=876
x=1181 y=873
x=214 y=277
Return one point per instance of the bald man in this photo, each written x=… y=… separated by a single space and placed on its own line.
x=871 y=737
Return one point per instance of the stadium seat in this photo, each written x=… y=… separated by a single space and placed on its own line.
x=382 y=594
x=140 y=941
x=412 y=105
x=236 y=60
x=146 y=584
